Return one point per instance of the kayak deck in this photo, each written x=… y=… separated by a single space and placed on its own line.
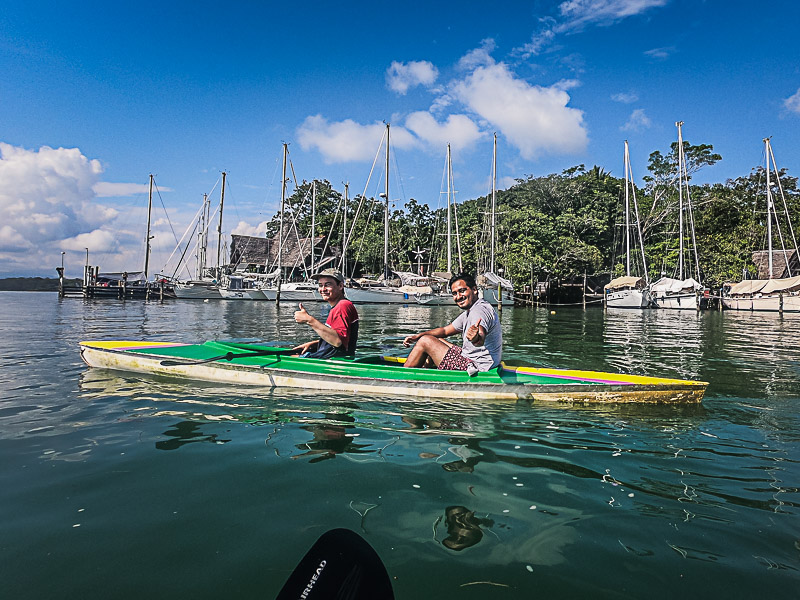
x=265 y=366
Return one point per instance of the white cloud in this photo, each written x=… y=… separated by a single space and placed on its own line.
x=49 y=204
x=660 y=53
x=98 y=240
x=402 y=76
x=792 y=103
x=533 y=118
x=458 y=130
x=625 y=97
x=479 y=57
x=576 y=15
x=346 y=141
x=637 y=121
x=243 y=228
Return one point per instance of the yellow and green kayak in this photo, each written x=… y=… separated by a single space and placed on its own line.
x=266 y=366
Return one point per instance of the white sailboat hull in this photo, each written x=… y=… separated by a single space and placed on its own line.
x=299 y=292
x=197 y=290
x=242 y=294
x=678 y=302
x=434 y=299
x=378 y=296
x=789 y=303
x=628 y=299
x=490 y=295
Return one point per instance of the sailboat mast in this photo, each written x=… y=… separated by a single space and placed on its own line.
x=313 y=219
x=219 y=226
x=386 y=214
x=494 y=203
x=147 y=237
x=280 y=227
x=770 y=208
x=344 y=228
x=627 y=212
x=449 y=218
x=201 y=240
x=679 y=124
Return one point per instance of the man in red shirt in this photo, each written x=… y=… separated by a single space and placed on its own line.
x=339 y=334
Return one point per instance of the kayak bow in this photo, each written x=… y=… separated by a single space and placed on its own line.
x=254 y=364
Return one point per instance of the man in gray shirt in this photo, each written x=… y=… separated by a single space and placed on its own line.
x=481 y=334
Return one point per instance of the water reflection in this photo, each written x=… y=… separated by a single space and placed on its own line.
x=187 y=432
x=463 y=528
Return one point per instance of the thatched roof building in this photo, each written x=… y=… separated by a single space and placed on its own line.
x=779 y=266
x=260 y=254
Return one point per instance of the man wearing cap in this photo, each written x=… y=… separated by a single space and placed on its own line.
x=479 y=325
x=339 y=334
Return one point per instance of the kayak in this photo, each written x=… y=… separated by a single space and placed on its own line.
x=271 y=367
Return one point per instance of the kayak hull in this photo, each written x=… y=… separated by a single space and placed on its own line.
x=382 y=375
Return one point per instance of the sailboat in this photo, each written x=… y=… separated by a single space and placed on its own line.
x=492 y=286
x=629 y=291
x=305 y=291
x=382 y=292
x=680 y=293
x=775 y=294
x=442 y=296
x=204 y=287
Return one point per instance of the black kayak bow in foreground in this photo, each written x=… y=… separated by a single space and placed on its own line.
x=340 y=564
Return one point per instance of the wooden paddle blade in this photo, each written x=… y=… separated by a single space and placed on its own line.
x=340 y=565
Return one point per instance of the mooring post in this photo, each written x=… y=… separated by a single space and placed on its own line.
x=584 y=290
x=499 y=298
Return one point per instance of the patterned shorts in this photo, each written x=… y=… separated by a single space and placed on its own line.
x=454 y=361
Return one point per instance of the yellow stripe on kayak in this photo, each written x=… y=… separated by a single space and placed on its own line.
x=600 y=376
x=129 y=345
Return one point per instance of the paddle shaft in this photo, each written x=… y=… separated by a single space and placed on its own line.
x=228 y=356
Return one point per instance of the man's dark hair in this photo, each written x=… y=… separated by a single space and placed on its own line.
x=465 y=277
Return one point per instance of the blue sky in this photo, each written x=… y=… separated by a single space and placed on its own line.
x=95 y=96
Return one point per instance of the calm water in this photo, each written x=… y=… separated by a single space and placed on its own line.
x=118 y=486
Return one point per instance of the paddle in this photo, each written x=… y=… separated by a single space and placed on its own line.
x=228 y=356
x=340 y=564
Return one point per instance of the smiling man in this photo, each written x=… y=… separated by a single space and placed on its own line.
x=481 y=334
x=339 y=334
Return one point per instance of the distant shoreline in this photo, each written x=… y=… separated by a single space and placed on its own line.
x=33 y=284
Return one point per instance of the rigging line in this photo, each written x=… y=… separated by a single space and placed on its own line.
x=785 y=210
x=363 y=198
x=291 y=167
x=455 y=218
x=196 y=221
x=183 y=254
x=165 y=212
x=333 y=226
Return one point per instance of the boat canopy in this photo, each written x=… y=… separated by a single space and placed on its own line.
x=748 y=286
x=130 y=276
x=625 y=282
x=789 y=284
x=667 y=285
x=496 y=279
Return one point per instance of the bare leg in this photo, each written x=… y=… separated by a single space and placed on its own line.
x=427 y=348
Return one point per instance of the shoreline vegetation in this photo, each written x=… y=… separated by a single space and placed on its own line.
x=34 y=284
x=563 y=227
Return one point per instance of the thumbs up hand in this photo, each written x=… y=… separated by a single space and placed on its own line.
x=474 y=333
x=301 y=315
